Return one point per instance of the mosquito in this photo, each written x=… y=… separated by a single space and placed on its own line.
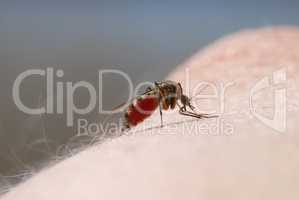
x=165 y=95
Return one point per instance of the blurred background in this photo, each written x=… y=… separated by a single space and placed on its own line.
x=145 y=39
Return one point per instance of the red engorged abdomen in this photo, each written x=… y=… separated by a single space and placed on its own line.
x=142 y=109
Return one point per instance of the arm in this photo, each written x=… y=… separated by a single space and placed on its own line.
x=252 y=161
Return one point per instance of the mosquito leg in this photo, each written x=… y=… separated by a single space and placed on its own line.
x=160 y=108
x=180 y=107
x=186 y=113
x=183 y=111
x=161 y=115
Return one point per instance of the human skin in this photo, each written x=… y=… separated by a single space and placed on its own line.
x=253 y=161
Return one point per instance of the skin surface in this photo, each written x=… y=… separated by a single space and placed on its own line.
x=248 y=160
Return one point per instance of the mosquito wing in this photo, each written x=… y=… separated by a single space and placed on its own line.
x=148 y=92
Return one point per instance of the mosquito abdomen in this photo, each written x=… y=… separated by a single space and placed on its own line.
x=141 y=109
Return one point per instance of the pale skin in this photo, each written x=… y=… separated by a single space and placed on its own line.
x=251 y=162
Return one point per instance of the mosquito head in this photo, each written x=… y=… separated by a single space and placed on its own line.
x=186 y=101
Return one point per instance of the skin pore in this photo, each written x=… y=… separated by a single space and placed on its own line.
x=191 y=158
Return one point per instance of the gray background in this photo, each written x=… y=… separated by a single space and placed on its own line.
x=144 y=39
